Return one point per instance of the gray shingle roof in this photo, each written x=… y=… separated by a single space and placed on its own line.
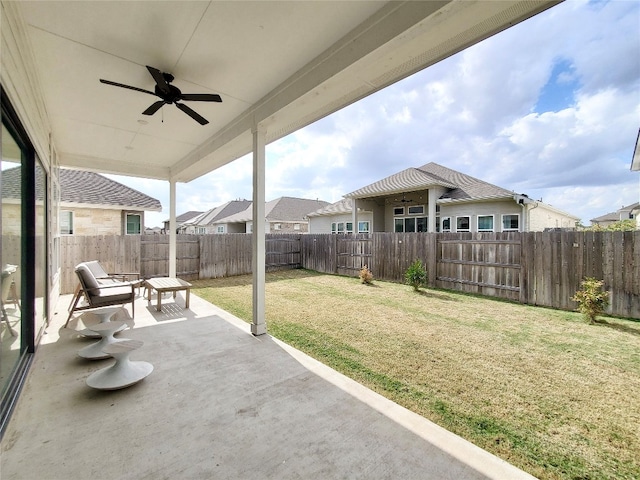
x=77 y=186
x=618 y=214
x=226 y=209
x=283 y=209
x=432 y=174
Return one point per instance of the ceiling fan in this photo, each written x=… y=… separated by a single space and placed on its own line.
x=170 y=94
x=404 y=199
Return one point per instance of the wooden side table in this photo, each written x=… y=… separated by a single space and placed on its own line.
x=167 y=284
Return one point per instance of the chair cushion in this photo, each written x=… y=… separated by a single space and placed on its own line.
x=112 y=295
x=96 y=269
x=87 y=279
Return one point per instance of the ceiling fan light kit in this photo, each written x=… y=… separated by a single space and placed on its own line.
x=170 y=94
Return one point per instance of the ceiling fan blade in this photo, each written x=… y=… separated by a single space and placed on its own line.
x=201 y=120
x=108 y=82
x=159 y=78
x=201 y=97
x=154 y=107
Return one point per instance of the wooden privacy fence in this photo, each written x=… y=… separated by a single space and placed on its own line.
x=541 y=268
x=537 y=268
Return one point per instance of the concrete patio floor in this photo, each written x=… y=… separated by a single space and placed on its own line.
x=220 y=403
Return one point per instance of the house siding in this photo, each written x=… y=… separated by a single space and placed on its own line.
x=497 y=209
x=541 y=217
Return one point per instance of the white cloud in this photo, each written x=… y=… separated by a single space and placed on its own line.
x=474 y=112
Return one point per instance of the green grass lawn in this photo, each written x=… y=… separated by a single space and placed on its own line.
x=540 y=388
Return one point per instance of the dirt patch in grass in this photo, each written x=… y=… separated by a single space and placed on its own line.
x=540 y=388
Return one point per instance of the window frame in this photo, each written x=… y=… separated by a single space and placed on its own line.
x=421 y=212
x=487 y=230
x=362 y=230
x=220 y=229
x=442 y=220
x=398 y=211
x=459 y=217
x=126 y=223
x=61 y=223
x=510 y=229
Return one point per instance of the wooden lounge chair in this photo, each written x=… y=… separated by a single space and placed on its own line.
x=97 y=294
x=105 y=278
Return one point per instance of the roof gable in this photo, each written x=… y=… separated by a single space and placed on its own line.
x=89 y=188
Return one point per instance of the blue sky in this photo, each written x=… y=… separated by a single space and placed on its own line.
x=549 y=108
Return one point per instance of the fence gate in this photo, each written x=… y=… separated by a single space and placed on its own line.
x=484 y=264
x=353 y=252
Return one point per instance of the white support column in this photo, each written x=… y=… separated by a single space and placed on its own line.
x=258 y=325
x=354 y=215
x=432 y=210
x=172 y=228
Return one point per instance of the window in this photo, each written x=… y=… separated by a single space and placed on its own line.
x=133 y=224
x=66 y=222
x=416 y=210
x=510 y=222
x=485 y=223
x=363 y=227
x=445 y=224
x=349 y=227
x=277 y=226
x=409 y=224
x=296 y=226
x=398 y=225
x=201 y=230
x=249 y=227
x=421 y=224
x=333 y=227
x=462 y=224
x=398 y=211
x=341 y=227
x=220 y=229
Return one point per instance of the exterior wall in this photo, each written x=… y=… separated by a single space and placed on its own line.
x=320 y=224
x=497 y=209
x=323 y=224
x=414 y=199
x=290 y=227
x=100 y=221
x=542 y=217
x=237 y=227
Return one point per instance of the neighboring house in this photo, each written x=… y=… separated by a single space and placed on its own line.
x=433 y=198
x=205 y=222
x=282 y=215
x=630 y=212
x=181 y=220
x=90 y=204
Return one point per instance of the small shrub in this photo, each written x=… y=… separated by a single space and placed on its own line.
x=591 y=299
x=416 y=275
x=366 y=276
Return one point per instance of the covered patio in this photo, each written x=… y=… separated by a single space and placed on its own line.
x=220 y=403
x=225 y=400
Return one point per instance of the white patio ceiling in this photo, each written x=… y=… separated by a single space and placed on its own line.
x=277 y=65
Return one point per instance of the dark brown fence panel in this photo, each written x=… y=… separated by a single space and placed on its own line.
x=283 y=251
x=318 y=252
x=353 y=252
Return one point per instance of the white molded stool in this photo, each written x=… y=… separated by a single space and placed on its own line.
x=104 y=315
x=124 y=372
x=106 y=331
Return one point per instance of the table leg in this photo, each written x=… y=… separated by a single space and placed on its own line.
x=149 y=288
x=159 y=304
x=186 y=302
